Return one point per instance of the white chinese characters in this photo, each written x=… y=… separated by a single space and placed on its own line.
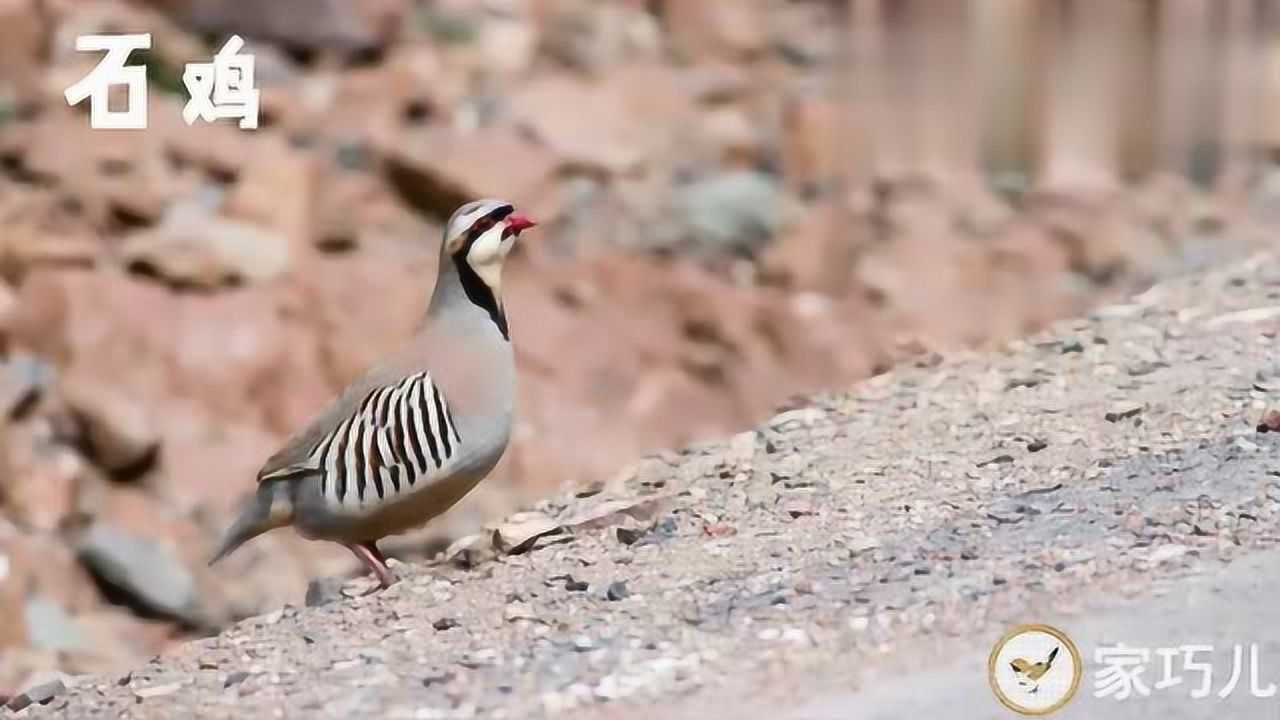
x=223 y=88
x=111 y=70
x=1122 y=671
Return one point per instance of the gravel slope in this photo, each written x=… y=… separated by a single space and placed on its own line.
x=872 y=535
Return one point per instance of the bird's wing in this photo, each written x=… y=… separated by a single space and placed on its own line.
x=294 y=458
x=1020 y=665
x=1052 y=654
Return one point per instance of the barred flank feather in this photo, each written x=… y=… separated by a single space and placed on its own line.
x=397 y=436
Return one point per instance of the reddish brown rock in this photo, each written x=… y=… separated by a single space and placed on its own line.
x=111 y=176
x=437 y=169
x=359 y=209
x=371 y=106
x=275 y=191
x=726 y=29
x=195 y=248
x=42 y=481
x=207 y=463
x=1101 y=233
x=243 y=357
x=44 y=565
x=594 y=37
x=813 y=148
x=23 y=32
x=326 y=24
x=672 y=340
x=817 y=252
x=39 y=321
x=120 y=430
x=13 y=595
x=115 y=638
x=336 y=293
x=40 y=231
x=735 y=139
x=587 y=125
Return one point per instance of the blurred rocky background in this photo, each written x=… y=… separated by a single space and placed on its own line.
x=740 y=201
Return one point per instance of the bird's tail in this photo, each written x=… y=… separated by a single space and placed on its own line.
x=269 y=508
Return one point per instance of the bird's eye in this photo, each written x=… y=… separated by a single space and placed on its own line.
x=483 y=225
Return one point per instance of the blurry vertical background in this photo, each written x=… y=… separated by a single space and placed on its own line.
x=739 y=201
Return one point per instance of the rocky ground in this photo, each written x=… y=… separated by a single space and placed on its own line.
x=1099 y=463
x=174 y=301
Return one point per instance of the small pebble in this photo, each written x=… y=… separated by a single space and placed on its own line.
x=41 y=694
x=617 y=591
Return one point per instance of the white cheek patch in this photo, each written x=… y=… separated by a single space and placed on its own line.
x=486 y=255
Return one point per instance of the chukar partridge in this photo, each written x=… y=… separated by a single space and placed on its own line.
x=417 y=431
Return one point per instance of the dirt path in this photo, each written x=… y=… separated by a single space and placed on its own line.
x=803 y=569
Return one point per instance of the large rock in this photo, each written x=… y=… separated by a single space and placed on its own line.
x=343 y=310
x=115 y=638
x=369 y=106
x=654 y=341
x=816 y=253
x=24 y=380
x=223 y=373
x=195 y=248
x=360 y=209
x=275 y=192
x=725 y=29
x=42 y=564
x=109 y=174
x=738 y=211
x=13 y=591
x=814 y=151
x=737 y=141
x=40 y=229
x=42 y=480
x=588 y=125
x=147 y=573
x=508 y=43
x=50 y=627
x=597 y=37
x=23 y=33
x=314 y=24
x=120 y=429
x=207 y=462
x=437 y=169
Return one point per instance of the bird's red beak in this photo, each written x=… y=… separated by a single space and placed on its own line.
x=519 y=222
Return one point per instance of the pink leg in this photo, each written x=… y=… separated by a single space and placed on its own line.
x=369 y=554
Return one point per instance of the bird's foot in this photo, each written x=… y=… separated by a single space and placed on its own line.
x=386 y=579
x=373 y=559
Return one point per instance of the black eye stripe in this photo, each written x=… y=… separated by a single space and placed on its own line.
x=479 y=227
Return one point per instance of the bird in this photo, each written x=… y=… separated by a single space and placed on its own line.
x=1029 y=673
x=418 y=429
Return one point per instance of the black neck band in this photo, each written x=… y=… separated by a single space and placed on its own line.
x=479 y=292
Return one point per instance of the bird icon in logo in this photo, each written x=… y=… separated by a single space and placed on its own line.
x=1029 y=673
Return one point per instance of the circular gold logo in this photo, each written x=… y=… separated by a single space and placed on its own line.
x=1034 y=669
